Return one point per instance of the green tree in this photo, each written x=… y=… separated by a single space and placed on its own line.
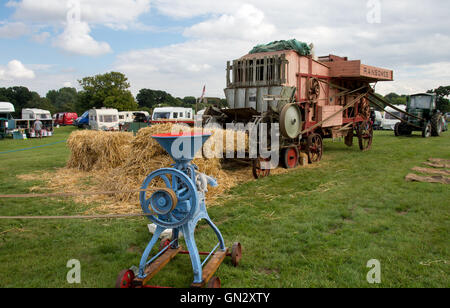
x=189 y=100
x=18 y=96
x=442 y=102
x=107 y=90
x=396 y=99
x=40 y=103
x=64 y=99
x=154 y=98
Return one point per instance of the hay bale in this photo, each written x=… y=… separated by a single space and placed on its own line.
x=97 y=150
x=120 y=161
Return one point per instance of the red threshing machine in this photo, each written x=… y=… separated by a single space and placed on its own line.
x=310 y=98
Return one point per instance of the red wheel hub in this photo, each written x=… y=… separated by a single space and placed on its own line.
x=292 y=158
x=125 y=279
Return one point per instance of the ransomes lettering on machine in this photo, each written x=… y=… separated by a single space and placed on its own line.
x=309 y=98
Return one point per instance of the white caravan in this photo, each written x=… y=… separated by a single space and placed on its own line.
x=104 y=119
x=36 y=114
x=173 y=114
x=388 y=122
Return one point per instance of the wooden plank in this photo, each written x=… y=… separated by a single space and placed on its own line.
x=427 y=179
x=211 y=268
x=158 y=265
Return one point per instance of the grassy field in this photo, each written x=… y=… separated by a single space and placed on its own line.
x=314 y=227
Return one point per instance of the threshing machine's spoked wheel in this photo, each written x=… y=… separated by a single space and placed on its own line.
x=365 y=135
x=125 y=279
x=164 y=243
x=214 y=283
x=261 y=167
x=426 y=130
x=291 y=121
x=290 y=157
x=236 y=254
x=313 y=89
x=174 y=205
x=315 y=148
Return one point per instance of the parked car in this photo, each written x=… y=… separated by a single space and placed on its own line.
x=83 y=121
x=64 y=118
x=388 y=122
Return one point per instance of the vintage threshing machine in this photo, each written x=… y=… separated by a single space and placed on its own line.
x=177 y=202
x=310 y=98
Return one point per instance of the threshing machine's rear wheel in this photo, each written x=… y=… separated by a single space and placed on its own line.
x=290 y=157
x=125 y=279
x=315 y=148
x=214 y=283
x=261 y=168
x=365 y=135
x=236 y=254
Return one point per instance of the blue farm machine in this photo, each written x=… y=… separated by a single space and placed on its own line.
x=178 y=204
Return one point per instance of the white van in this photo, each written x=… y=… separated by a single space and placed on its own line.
x=173 y=114
x=104 y=119
x=36 y=114
x=388 y=121
x=129 y=116
x=126 y=117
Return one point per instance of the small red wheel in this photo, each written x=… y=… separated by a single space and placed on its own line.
x=125 y=279
x=164 y=243
x=236 y=254
x=214 y=283
x=290 y=157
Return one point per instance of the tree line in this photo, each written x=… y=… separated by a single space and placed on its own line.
x=110 y=90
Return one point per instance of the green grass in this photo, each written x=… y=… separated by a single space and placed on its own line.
x=314 y=227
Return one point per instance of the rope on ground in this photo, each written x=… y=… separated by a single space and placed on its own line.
x=73 y=217
x=32 y=148
x=65 y=195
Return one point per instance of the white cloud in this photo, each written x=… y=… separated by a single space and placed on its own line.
x=13 y=29
x=15 y=70
x=41 y=38
x=76 y=39
x=113 y=13
x=247 y=22
x=181 y=69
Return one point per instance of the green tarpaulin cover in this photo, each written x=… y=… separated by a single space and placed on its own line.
x=300 y=47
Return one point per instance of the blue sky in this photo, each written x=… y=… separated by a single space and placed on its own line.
x=179 y=45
